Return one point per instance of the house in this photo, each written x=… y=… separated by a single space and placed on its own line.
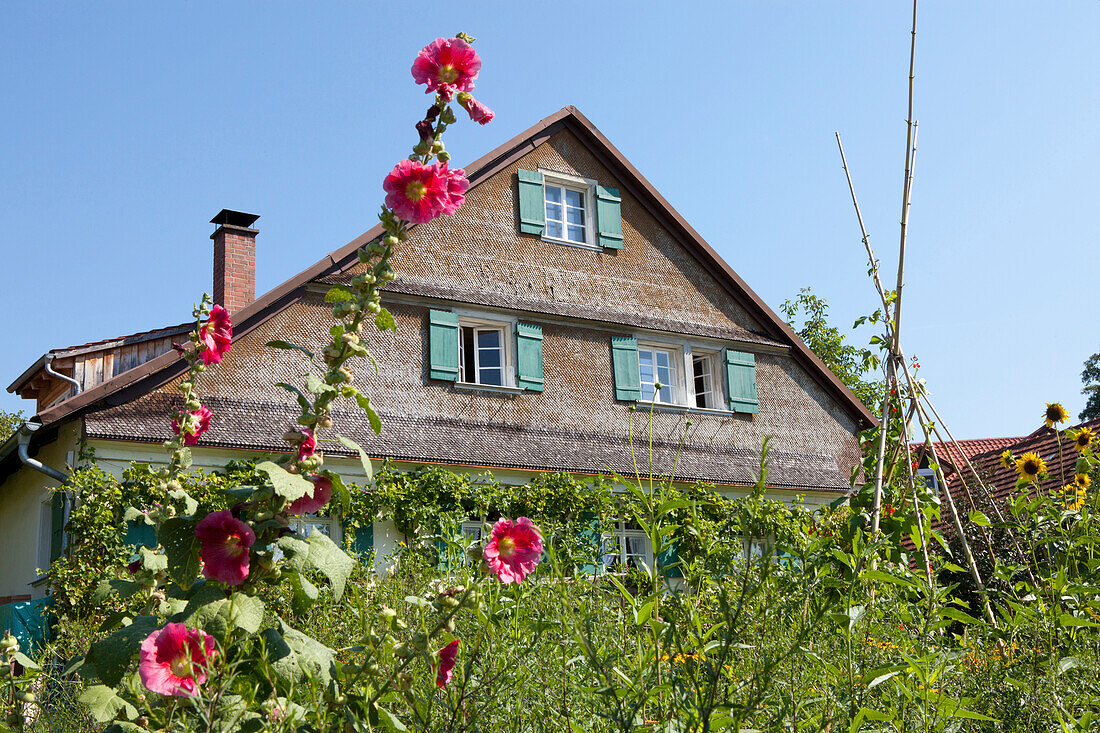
x=534 y=329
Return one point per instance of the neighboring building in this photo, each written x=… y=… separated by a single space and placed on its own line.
x=529 y=325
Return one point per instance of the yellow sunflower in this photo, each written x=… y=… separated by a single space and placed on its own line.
x=1055 y=414
x=1084 y=439
x=1072 y=496
x=1007 y=460
x=1030 y=466
x=1082 y=480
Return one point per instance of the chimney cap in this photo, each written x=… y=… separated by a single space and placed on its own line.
x=229 y=217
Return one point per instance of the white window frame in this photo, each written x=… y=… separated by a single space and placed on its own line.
x=928 y=472
x=675 y=365
x=508 y=350
x=299 y=523
x=615 y=547
x=587 y=188
x=472 y=530
x=45 y=534
x=753 y=549
x=717 y=384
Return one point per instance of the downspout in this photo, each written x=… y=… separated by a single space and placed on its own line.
x=23 y=436
x=70 y=380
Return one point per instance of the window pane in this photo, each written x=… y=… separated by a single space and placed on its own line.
x=553 y=193
x=488 y=358
x=576 y=234
x=492 y=376
x=662 y=359
x=702 y=378
x=553 y=229
x=575 y=216
x=553 y=211
x=574 y=198
x=466 y=352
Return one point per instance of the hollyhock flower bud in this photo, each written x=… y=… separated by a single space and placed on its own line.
x=514 y=550
x=432 y=112
x=174 y=660
x=425 y=130
x=479 y=113
x=216 y=335
x=225 y=541
x=309 y=504
x=443 y=156
x=308 y=445
x=445 y=671
x=196 y=423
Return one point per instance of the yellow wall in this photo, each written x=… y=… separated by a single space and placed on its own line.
x=21 y=516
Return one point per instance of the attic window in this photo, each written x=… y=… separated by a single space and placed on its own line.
x=566 y=212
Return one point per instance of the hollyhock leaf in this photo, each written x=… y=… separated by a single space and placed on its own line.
x=111 y=655
x=190 y=506
x=104 y=703
x=384 y=321
x=390 y=720
x=185 y=458
x=352 y=445
x=152 y=561
x=204 y=609
x=26 y=661
x=295 y=552
x=340 y=491
x=313 y=656
x=305 y=593
x=107 y=588
x=302 y=401
x=246 y=612
x=333 y=562
x=316 y=386
x=283 y=660
x=287 y=485
x=181 y=547
x=339 y=294
x=279 y=344
x=136 y=515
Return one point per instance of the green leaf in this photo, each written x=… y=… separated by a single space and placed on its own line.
x=278 y=344
x=1069 y=620
x=305 y=593
x=313 y=657
x=333 y=562
x=182 y=549
x=104 y=703
x=246 y=612
x=372 y=416
x=642 y=615
x=288 y=485
x=339 y=294
x=316 y=386
x=295 y=552
x=111 y=656
x=956 y=615
x=340 y=491
x=26 y=661
x=979 y=519
x=384 y=321
x=388 y=719
x=363 y=457
x=283 y=660
x=303 y=402
x=1067 y=663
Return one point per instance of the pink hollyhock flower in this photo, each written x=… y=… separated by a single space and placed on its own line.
x=457 y=185
x=322 y=492
x=173 y=660
x=308 y=446
x=225 y=542
x=216 y=335
x=447 y=65
x=198 y=422
x=416 y=192
x=514 y=550
x=479 y=113
x=445 y=671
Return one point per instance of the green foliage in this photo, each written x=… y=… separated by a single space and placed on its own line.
x=9 y=423
x=1090 y=377
x=853 y=365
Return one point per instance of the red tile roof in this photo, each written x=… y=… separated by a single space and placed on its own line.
x=952 y=454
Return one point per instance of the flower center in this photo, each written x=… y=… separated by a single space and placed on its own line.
x=1031 y=467
x=233 y=545
x=415 y=191
x=506 y=547
x=448 y=74
x=181 y=666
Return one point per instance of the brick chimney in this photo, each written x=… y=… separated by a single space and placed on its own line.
x=234 y=259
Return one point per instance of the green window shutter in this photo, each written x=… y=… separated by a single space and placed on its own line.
x=590 y=536
x=532 y=205
x=669 y=562
x=57 y=524
x=609 y=217
x=443 y=345
x=362 y=541
x=741 y=381
x=529 y=357
x=140 y=534
x=624 y=360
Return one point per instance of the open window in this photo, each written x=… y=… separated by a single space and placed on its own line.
x=627 y=546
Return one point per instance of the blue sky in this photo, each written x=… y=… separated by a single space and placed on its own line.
x=128 y=125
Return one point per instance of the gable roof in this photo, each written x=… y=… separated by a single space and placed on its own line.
x=951 y=454
x=155 y=373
